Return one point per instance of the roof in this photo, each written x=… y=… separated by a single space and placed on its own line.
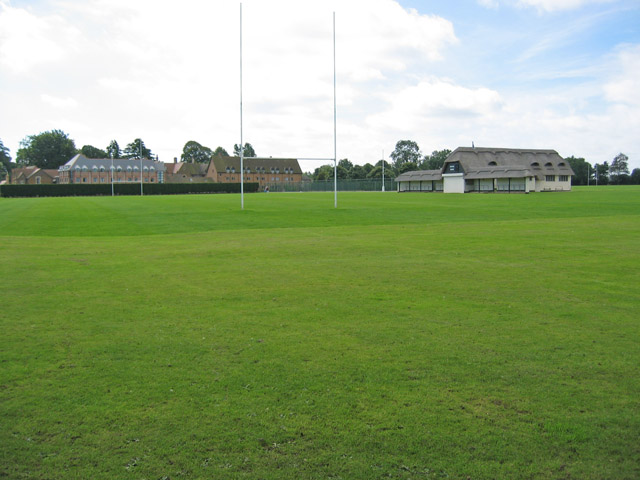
x=82 y=161
x=191 y=169
x=420 y=176
x=221 y=163
x=477 y=162
x=480 y=163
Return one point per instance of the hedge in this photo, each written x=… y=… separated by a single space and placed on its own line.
x=90 y=190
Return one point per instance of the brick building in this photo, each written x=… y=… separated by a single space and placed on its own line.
x=33 y=176
x=81 y=169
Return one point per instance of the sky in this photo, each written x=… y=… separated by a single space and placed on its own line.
x=549 y=74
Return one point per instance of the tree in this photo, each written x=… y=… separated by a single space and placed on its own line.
x=358 y=172
x=136 y=147
x=376 y=172
x=635 y=176
x=46 y=150
x=406 y=151
x=435 y=161
x=325 y=172
x=90 y=151
x=193 y=152
x=248 y=150
x=619 y=168
x=113 y=150
x=220 y=152
x=581 y=169
x=5 y=161
x=602 y=173
x=407 y=167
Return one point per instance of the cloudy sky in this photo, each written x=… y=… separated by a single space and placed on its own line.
x=561 y=74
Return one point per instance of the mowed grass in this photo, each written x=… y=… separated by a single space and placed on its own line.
x=398 y=336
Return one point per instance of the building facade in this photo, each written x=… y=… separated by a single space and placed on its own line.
x=81 y=169
x=486 y=170
x=263 y=171
x=33 y=176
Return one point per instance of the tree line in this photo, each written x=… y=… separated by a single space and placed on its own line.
x=54 y=148
x=407 y=157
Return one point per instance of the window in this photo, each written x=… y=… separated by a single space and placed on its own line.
x=38 y=180
x=564 y=178
x=102 y=169
x=492 y=164
x=119 y=168
x=94 y=168
x=84 y=180
x=535 y=164
x=550 y=178
x=128 y=169
x=453 y=167
x=562 y=164
x=548 y=164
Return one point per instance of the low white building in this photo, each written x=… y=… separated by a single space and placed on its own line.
x=487 y=170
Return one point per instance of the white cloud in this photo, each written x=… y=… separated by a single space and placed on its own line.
x=168 y=72
x=58 y=102
x=622 y=86
x=27 y=40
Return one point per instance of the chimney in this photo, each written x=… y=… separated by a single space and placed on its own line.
x=175 y=159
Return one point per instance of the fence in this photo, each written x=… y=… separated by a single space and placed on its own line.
x=104 y=189
x=369 y=185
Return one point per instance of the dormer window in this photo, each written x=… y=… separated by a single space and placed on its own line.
x=492 y=164
x=453 y=167
x=548 y=164
x=228 y=170
x=535 y=164
x=562 y=164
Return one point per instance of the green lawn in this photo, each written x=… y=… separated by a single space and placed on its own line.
x=411 y=336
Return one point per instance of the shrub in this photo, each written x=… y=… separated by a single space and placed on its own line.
x=90 y=190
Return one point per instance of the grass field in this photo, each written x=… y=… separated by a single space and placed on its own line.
x=411 y=336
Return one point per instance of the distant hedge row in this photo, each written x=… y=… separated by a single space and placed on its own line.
x=91 y=190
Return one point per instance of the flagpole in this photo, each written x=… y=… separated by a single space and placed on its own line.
x=112 y=194
x=383 y=170
x=141 y=194
x=335 y=116
x=241 y=131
